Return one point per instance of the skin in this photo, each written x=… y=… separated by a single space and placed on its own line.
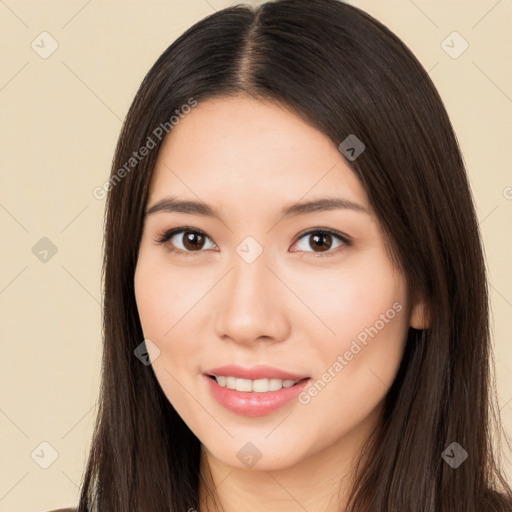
x=290 y=308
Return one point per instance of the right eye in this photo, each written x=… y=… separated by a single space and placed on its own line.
x=193 y=240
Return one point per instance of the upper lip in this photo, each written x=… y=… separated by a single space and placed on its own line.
x=254 y=373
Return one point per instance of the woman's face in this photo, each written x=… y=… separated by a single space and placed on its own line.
x=254 y=287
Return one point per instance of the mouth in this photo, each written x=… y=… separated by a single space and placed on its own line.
x=264 y=385
x=258 y=397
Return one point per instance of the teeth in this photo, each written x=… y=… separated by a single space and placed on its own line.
x=258 y=386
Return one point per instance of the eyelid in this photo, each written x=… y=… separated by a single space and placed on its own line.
x=167 y=235
x=336 y=234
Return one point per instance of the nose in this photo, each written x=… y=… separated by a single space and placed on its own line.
x=252 y=304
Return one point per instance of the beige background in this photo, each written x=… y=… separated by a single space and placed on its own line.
x=60 y=120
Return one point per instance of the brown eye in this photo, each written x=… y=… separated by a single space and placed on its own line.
x=321 y=241
x=184 y=240
x=193 y=240
x=189 y=241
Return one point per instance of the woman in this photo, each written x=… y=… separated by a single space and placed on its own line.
x=244 y=369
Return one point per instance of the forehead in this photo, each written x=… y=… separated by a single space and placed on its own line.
x=246 y=153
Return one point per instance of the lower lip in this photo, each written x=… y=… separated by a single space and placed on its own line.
x=252 y=403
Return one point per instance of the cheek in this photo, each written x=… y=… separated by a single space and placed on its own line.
x=351 y=299
x=163 y=297
x=153 y=299
x=168 y=304
x=162 y=303
x=365 y=310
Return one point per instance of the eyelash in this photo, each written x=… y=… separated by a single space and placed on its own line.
x=167 y=235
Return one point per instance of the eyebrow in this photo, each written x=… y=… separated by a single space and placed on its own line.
x=172 y=205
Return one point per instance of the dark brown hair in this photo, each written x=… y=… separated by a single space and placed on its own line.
x=344 y=73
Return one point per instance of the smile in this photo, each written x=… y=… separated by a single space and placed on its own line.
x=253 y=402
x=256 y=386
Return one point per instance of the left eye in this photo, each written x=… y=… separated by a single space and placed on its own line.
x=323 y=238
x=194 y=241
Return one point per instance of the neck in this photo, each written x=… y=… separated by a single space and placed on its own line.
x=318 y=483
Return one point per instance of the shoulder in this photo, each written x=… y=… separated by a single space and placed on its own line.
x=65 y=510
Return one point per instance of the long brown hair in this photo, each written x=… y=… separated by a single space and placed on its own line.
x=345 y=73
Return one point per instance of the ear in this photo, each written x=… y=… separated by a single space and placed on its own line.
x=419 y=318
